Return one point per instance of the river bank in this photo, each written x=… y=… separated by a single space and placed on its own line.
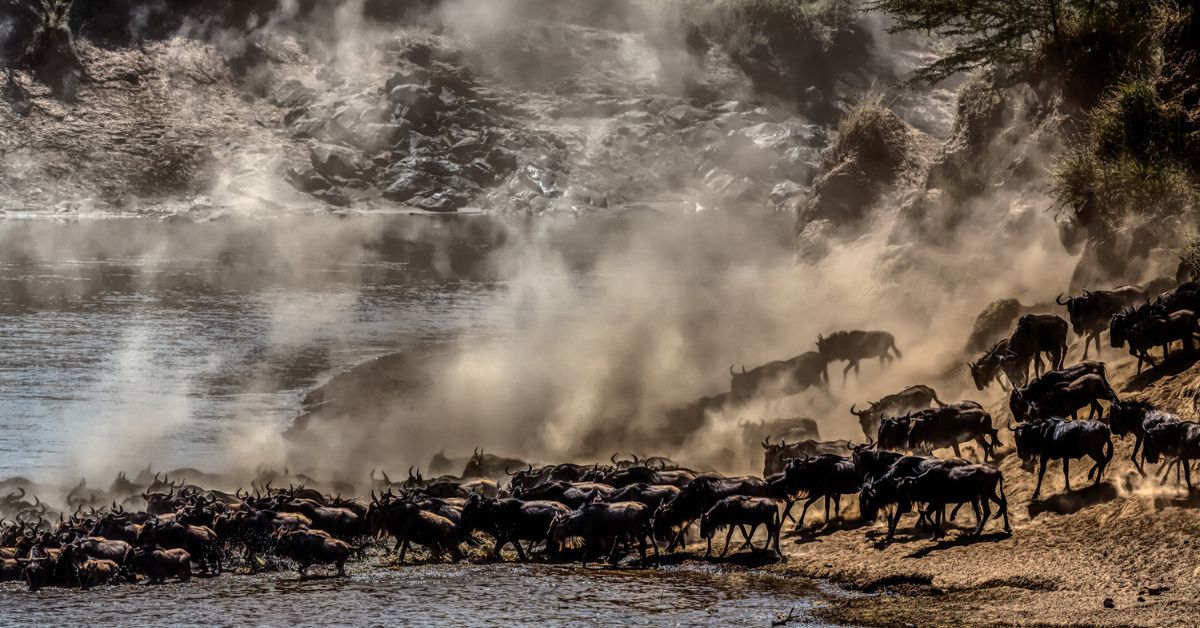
x=1121 y=554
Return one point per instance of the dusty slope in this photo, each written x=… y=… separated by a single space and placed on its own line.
x=1129 y=540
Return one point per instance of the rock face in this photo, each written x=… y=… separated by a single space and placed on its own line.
x=868 y=157
x=596 y=108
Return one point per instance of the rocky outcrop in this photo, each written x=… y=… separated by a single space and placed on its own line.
x=872 y=150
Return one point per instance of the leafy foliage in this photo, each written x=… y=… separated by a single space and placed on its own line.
x=1129 y=160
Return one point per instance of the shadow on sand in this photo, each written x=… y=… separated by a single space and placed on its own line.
x=1073 y=501
x=1177 y=363
x=810 y=534
x=962 y=540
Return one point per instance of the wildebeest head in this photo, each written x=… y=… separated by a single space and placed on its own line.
x=1028 y=437
x=1125 y=417
x=1118 y=328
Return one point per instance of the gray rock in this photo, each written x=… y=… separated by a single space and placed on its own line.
x=337 y=161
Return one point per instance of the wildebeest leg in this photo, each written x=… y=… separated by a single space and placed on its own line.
x=939 y=516
x=957 y=453
x=787 y=510
x=846 y=372
x=1137 y=443
x=708 y=550
x=826 y=511
x=403 y=550
x=987 y=513
x=520 y=552
x=1041 y=474
x=341 y=568
x=728 y=537
x=1086 y=343
x=1187 y=473
x=804 y=511
x=1067 y=473
x=500 y=543
x=747 y=538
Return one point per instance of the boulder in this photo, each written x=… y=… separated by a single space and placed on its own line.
x=337 y=161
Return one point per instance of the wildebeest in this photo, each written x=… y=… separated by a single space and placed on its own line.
x=740 y=510
x=1035 y=334
x=95 y=572
x=1091 y=312
x=775 y=453
x=159 y=564
x=794 y=429
x=827 y=476
x=617 y=523
x=1146 y=329
x=1066 y=399
x=1057 y=439
x=307 y=547
x=1137 y=418
x=1179 y=440
x=856 y=345
x=942 y=485
x=511 y=520
x=1020 y=397
x=779 y=378
x=573 y=494
x=677 y=513
x=952 y=425
x=485 y=465
x=407 y=523
x=912 y=398
x=885 y=490
x=653 y=495
x=989 y=367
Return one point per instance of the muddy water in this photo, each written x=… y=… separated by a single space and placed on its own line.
x=447 y=595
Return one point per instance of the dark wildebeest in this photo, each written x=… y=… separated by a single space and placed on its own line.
x=952 y=425
x=739 y=510
x=794 y=429
x=408 y=523
x=675 y=515
x=912 y=398
x=619 y=522
x=1091 y=312
x=653 y=495
x=990 y=366
x=482 y=465
x=308 y=547
x=511 y=521
x=159 y=564
x=1057 y=439
x=1020 y=398
x=775 y=453
x=573 y=494
x=1065 y=400
x=827 y=476
x=856 y=345
x=1035 y=334
x=1180 y=440
x=1144 y=330
x=439 y=464
x=1137 y=418
x=780 y=378
x=893 y=433
x=885 y=490
x=976 y=484
x=872 y=462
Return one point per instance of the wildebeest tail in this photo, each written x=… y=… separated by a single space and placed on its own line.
x=1002 y=499
x=896 y=350
x=1108 y=450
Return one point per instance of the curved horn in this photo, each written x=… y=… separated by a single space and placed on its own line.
x=613 y=458
x=743 y=369
x=1059 y=300
x=507 y=471
x=731 y=372
x=766 y=444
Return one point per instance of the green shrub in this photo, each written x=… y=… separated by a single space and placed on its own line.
x=1128 y=160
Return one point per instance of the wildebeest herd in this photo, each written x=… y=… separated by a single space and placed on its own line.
x=160 y=526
